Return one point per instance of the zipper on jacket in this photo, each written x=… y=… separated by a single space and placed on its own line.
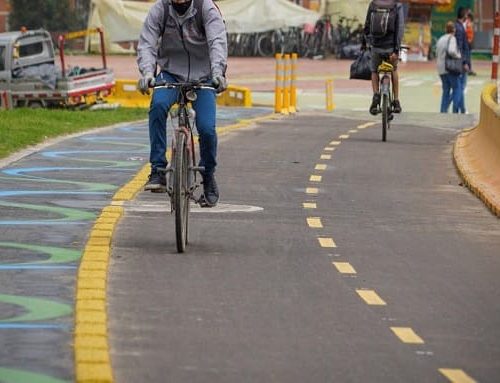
x=187 y=52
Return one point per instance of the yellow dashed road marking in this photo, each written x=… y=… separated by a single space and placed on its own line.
x=326 y=157
x=320 y=167
x=371 y=297
x=314 y=222
x=314 y=178
x=456 y=376
x=353 y=131
x=327 y=242
x=367 y=125
x=407 y=335
x=312 y=190
x=329 y=149
x=309 y=205
x=344 y=267
x=335 y=143
x=344 y=136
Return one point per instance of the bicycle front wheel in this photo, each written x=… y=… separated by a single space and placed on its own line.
x=385 y=116
x=181 y=193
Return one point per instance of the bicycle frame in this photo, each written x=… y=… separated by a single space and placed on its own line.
x=186 y=95
x=181 y=172
x=385 y=71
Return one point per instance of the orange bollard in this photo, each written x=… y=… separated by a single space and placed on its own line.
x=286 y=86
x=278 y=90
x=293 y=85
x=330 y=106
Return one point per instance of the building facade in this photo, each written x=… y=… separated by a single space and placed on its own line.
x=4 y=15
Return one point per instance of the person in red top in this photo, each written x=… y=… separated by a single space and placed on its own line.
x=469 y=33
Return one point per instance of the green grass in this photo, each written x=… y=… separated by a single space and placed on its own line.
x=20 y=128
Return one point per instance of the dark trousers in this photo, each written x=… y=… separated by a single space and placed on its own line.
x=205 y=109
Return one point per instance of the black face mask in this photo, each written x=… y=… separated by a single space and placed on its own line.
x=181 y=8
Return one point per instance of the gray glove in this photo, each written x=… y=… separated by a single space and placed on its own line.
x=220 y=83
x=145 y=82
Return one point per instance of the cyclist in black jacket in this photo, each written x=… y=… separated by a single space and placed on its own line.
x=384 y=32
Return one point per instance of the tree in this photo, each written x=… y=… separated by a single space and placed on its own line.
x=53 y=15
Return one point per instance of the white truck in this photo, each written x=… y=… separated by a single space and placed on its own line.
x=29 y=76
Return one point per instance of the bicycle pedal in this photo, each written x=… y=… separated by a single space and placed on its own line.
x=200 y=169
x=203 y=202
x=168 y=169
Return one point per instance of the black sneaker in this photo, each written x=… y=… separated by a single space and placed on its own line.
x=157 y=182
x=396 y=106
x=375 y=104
x=210 y=191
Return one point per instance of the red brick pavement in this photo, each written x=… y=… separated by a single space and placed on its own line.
x=258 y=73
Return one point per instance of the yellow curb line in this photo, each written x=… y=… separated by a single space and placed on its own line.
x=92 y=360
x=478 y=189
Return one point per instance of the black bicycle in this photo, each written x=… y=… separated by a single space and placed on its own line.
x=385 y=70
x=181 y=174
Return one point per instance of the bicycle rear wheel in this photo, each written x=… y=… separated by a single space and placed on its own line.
x=385 y=116
x=181 y=193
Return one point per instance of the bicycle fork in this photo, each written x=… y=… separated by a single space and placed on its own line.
x=169 y=170
x=385 y=90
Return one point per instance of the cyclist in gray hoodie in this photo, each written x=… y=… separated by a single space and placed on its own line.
x=186 y=40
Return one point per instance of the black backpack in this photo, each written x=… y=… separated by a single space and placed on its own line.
x=383 y=18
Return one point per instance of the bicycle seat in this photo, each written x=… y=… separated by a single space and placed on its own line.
x=385 y=67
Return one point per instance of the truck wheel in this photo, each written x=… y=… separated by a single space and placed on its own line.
x=35 y=104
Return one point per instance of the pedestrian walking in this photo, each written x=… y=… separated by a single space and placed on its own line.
x=469 y=32
x=463 y=48
x=447 y=45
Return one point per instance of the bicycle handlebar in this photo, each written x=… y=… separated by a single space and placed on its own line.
x=174 y=85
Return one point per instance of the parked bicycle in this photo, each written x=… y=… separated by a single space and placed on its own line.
x=181 y=174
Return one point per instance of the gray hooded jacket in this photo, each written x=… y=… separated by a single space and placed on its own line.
x=183 y=50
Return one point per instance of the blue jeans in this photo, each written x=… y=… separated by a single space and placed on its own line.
x=451 y=92
x=462 y=80
x=205 y=108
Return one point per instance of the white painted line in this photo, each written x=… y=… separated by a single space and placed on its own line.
x=164 y=206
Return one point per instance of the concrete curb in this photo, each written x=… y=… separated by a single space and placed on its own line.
x=92 y=360
x=476 y=153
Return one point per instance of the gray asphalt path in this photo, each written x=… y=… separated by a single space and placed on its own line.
x=49 y=200
x=258 y=298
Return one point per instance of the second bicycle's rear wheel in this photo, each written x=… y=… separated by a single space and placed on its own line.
x=181 y=193
x=385 y=116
